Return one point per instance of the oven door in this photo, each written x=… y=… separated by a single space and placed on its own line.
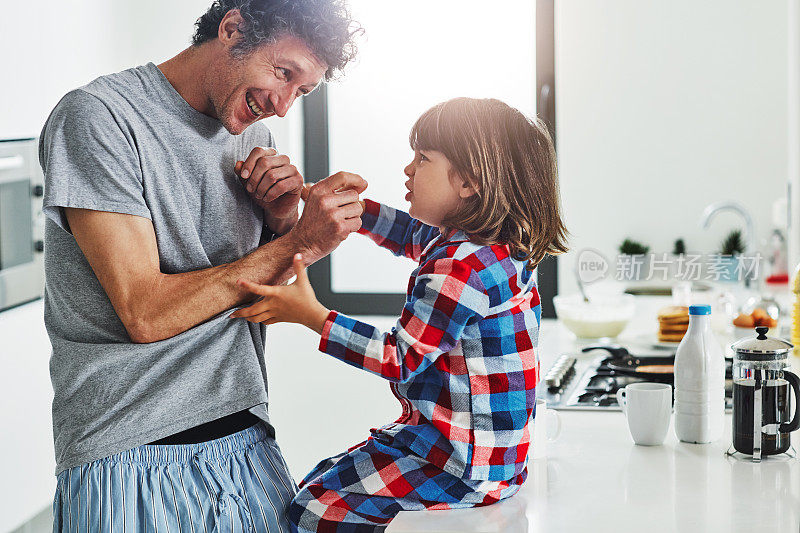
x=21 y=264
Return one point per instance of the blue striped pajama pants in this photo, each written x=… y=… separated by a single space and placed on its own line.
x=239 y=483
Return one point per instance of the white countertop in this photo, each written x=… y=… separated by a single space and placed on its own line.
x=595 y=478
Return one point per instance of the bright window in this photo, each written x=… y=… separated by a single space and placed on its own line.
x=415 y=54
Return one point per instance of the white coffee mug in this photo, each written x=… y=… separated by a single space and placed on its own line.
x=544 y=430
x=648 y=408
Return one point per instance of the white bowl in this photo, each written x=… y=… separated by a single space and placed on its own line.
x=601 y=317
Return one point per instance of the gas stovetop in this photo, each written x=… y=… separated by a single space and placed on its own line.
x=584 y=382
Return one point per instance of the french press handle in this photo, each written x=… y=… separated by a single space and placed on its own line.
x=794 y=381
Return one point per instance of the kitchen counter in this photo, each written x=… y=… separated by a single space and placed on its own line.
x=595 y=478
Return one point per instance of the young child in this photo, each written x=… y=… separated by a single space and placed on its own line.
x=484 y=212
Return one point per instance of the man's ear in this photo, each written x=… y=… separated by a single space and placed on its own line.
x=467 y=189
x=228 y=32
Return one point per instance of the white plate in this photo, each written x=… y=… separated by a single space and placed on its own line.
x=650 y=340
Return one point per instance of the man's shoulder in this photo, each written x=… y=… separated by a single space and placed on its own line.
x=108 y=101
x=80 y=102
x=106 y=91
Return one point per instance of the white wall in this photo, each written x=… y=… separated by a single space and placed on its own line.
x=50 y=47
x=793 y=93
x=663 y=108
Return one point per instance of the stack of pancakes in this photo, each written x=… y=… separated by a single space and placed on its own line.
x=673 y=321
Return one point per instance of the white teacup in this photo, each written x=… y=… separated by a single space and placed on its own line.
x=648 y=408
x=546 y=428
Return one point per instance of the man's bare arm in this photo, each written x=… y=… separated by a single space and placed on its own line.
x=123 y=253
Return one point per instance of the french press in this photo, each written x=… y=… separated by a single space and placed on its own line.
x=761 y=396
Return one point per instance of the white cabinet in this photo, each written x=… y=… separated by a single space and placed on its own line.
x=27 y=461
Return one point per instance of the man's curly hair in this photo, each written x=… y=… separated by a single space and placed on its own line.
x=324 y=25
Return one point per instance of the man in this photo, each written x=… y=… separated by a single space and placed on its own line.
x=160 y=194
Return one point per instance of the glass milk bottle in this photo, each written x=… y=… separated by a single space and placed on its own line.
x=699 y=381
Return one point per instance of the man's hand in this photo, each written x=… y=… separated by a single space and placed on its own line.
x=285 y=303
x=332 y=212
x=275 y=185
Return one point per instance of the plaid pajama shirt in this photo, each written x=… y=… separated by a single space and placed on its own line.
x=461 y=362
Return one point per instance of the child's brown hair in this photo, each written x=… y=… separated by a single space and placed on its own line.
x=511 y=162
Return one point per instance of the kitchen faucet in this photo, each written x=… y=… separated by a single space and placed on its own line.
x=749 y=227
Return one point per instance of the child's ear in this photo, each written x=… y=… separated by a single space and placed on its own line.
x=467 y=189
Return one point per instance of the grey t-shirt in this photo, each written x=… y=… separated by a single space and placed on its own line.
x=129 y=143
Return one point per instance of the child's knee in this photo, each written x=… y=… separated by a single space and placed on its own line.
x=300 y=503
x=305 y=512
x=296 y=507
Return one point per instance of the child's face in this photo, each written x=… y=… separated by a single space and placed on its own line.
x=435 y=191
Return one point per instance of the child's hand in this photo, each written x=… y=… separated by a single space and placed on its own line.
x=285 y=303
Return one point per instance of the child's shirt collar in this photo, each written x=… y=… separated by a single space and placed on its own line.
x=454 y=235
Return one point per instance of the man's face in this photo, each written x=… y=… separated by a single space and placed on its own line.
x=265 y=82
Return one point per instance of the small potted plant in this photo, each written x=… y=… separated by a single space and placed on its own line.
x=675 y=259
x=679 y=248
x=633 y=262
x=723 y=267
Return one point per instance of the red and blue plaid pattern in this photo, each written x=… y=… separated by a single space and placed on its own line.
x=461 y=357
x=363 y=489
